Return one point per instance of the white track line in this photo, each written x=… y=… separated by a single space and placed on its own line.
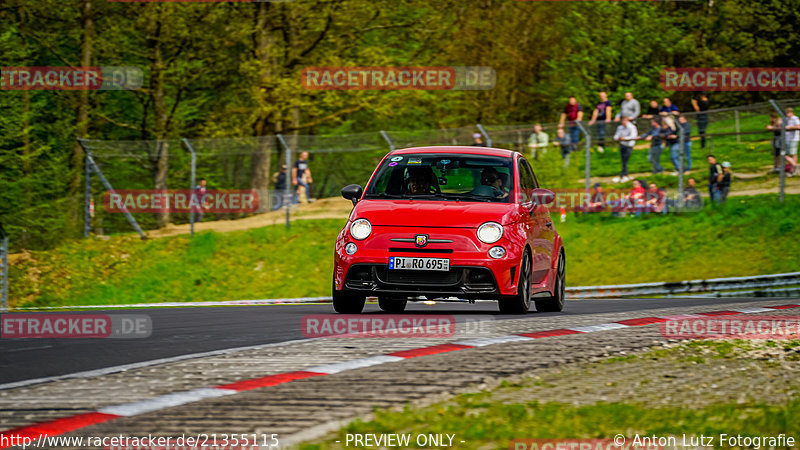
x=165 y=401
x=353 y=364
x=139 y=365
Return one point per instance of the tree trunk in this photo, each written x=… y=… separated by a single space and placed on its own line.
x=264 y=126
x=160 y=116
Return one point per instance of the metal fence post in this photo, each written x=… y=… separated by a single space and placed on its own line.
x=682 y=146
x=90 y=162
x=782 y=157
x=4 y=262
x=87 y=214
x=191 y=182
x=588 y=169
x=388 y=140
x=287 y=199
x=485 y=135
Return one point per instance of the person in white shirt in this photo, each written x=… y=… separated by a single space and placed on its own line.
x=626 y=136
x=792 y=138
x=629 y=108
x=538 y=141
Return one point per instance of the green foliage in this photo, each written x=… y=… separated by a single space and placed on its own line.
x=272 y=262
x=216 y=70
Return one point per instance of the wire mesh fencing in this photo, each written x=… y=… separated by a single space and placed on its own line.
x=256 y=163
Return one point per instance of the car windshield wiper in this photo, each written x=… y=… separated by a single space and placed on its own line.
x=384 y=195
x=468 y=196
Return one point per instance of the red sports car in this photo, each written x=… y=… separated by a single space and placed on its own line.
x=450 y=222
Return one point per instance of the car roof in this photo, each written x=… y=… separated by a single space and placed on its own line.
x=458 y=149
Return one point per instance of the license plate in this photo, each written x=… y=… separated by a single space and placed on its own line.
x=406 y=263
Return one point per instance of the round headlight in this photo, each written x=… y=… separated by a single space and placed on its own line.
x=490 y=232
x=360 y=229
x=497 y=252
x=350 y=248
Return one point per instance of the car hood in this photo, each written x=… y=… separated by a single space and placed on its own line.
x=408 y=213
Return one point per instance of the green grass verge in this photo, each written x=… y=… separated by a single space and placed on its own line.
x=489 y=419
x=746 y=236
x=484 y=424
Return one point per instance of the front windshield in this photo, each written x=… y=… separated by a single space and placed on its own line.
x=444 y=177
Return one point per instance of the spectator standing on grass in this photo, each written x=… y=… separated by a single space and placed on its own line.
x=477 y=140
x=775 y=124
x=573 y=113
x=656 y=139
x=652 y=110
x=668 y=107
x=700 y=107
x=279 y=180
x=669 y=131
x=792 y=139
x=198 y=206
x=565 y=142
x=629 y=108
x=714 y=176
x=301 y=179
x=626 y=136
x=687 y=142
x=602 y=116
x=538 y=141
x=724 y=183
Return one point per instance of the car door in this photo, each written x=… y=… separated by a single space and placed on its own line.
x=542 y=234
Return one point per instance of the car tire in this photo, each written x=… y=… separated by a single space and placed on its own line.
x=520 y=303
x=347 y=303
x=556 y=302
x=392 y=304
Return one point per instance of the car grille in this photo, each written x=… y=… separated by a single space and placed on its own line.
x=422 y=277
x=419 y=250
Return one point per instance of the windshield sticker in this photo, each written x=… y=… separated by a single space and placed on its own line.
x=415 y=160
x=397 y=158
x=392 y=164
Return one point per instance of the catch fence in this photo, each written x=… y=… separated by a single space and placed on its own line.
x=254 y=163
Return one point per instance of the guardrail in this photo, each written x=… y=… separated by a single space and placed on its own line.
x=713 y=285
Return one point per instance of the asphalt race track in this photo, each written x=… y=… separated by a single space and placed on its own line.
x=187 y=331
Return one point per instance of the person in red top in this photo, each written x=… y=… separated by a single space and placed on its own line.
x=574 y=113
x=635 y=200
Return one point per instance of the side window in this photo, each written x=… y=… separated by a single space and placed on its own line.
x=533 y=175
x=526 y=181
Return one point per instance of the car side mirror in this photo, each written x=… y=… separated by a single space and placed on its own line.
x=352 y=192
x=542 y=196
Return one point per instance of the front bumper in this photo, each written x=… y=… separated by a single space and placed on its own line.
x=473 y=274
x=459 y=281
